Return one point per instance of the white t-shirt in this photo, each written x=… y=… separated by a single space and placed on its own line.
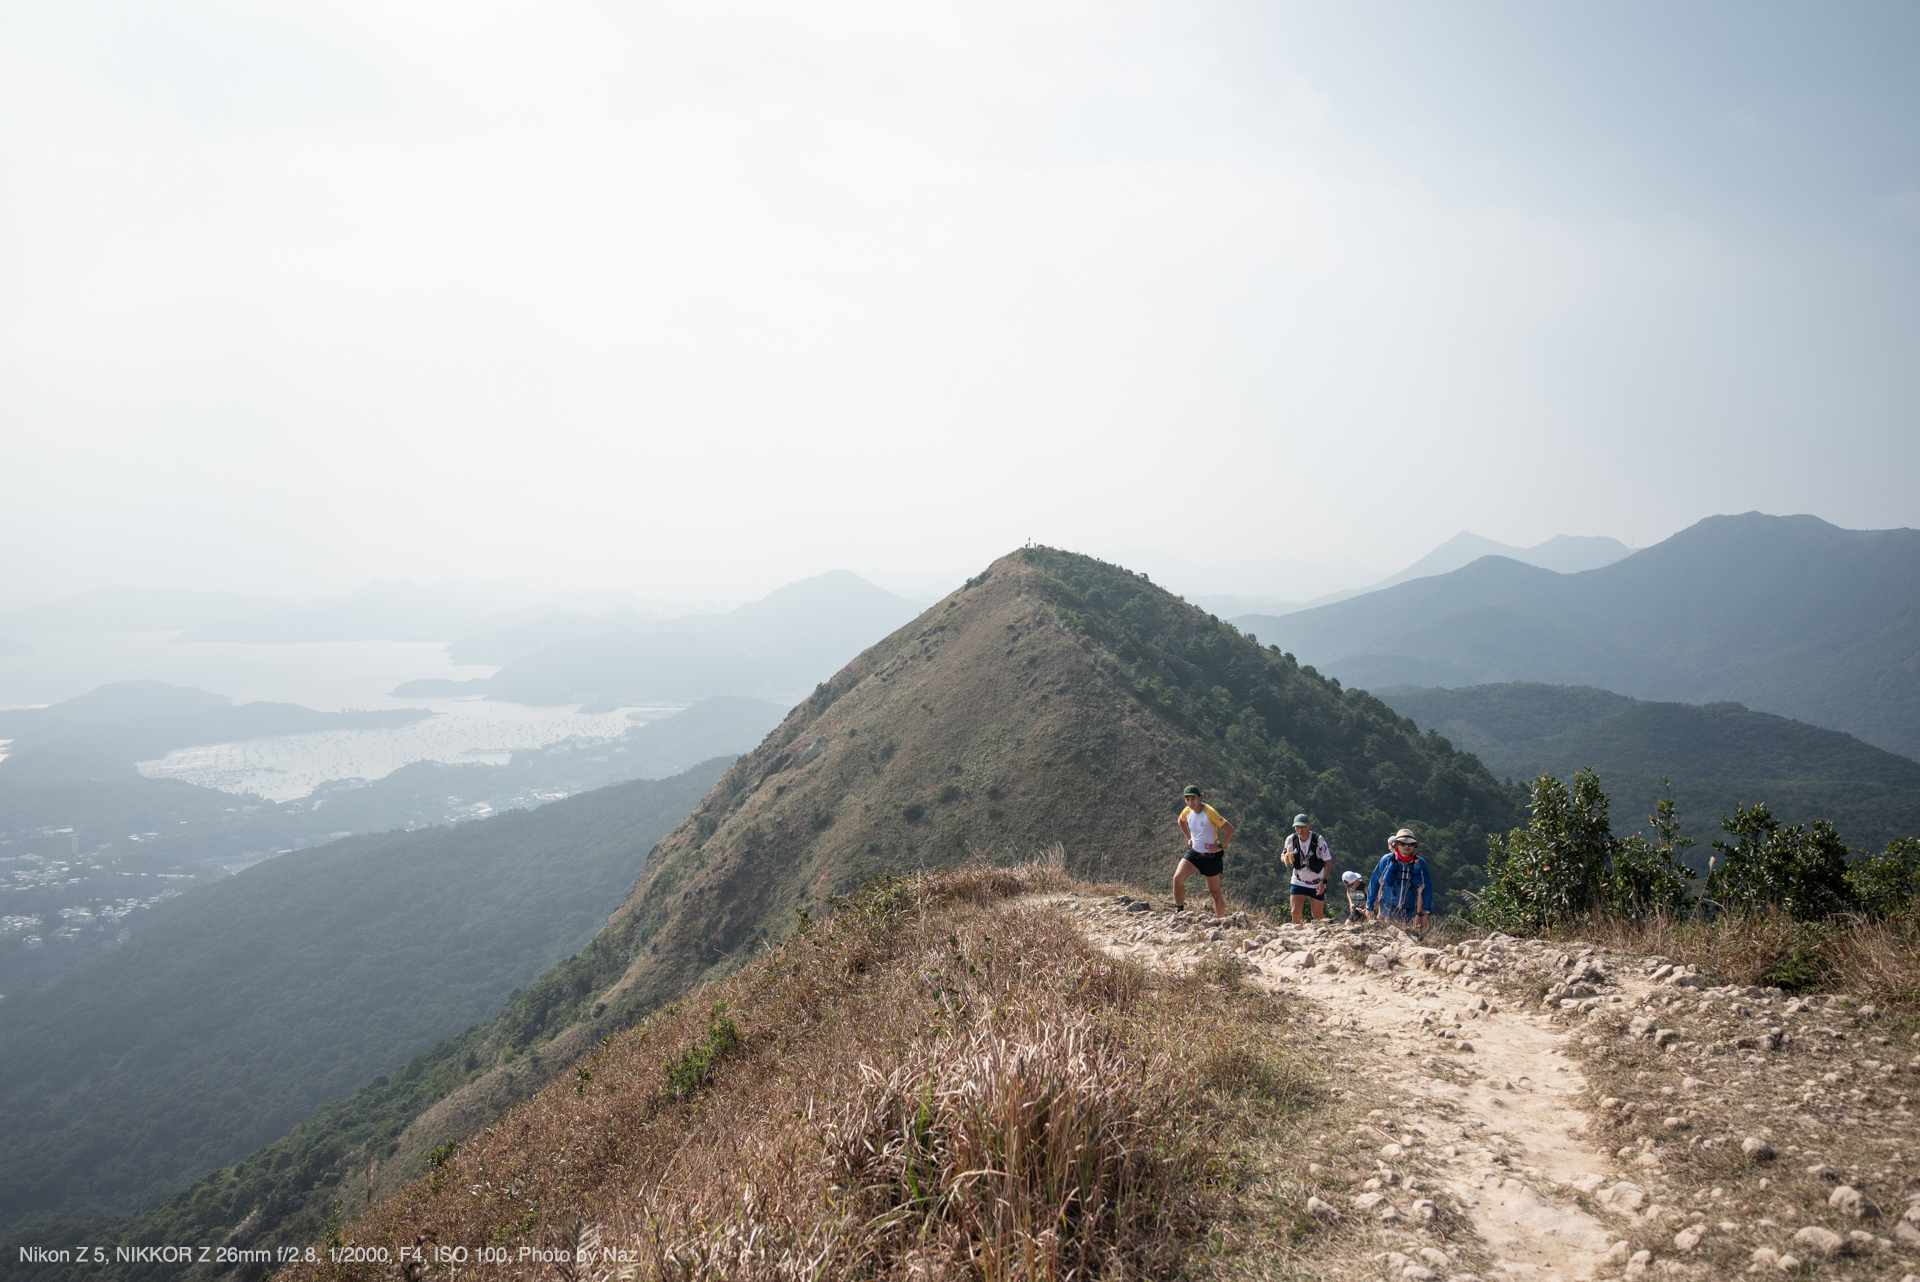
x=1202 y=830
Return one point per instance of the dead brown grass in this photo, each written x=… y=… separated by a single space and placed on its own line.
x=1875 y=962
x=941 y=1080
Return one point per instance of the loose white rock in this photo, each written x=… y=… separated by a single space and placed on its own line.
x=1820 y=1241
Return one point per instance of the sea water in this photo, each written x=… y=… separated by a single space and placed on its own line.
x=329 y=676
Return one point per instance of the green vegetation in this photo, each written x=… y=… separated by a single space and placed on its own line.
x=695 y=1066
x=1272 y=738
x=1566 y=865
x=239 y=1009
x=1706 y=758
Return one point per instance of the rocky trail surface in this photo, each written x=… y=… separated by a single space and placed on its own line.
x=1579 y=1113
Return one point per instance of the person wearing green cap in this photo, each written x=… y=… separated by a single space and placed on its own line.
x=1207 y=837
x=1306 y=853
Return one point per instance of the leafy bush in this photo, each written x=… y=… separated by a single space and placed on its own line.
x=695 y=1066
x=1799 y=868
x=1888 y=884
x=914 y=813
x=1805 y=963
x=1567 y=865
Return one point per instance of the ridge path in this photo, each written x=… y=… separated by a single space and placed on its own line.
x=1480 y=1050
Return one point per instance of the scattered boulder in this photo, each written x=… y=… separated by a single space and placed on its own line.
x=1820 y=1241
x=1321 y=1210
x=1757 y=1149
x=1624 y=1198
x=1850 y=1200
x=1688 y=1238
x=1367 y=1201
x=1639 y=1264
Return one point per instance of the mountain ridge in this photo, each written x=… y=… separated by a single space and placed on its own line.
x=1788 y=615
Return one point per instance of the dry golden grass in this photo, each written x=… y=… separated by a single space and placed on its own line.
x=943 y=1079
x=1871 y=961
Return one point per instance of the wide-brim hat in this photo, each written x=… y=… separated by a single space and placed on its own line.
x=1405 y=834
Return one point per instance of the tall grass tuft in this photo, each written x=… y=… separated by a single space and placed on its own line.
x=1042 y=1155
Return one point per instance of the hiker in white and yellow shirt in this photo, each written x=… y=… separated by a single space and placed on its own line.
x=1207 y=837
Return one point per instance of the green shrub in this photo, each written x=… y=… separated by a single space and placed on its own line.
x=914 y=813
x=1567 y=865
x=696 y=1065
x=1801 y=869
x=1804 y=964
x=1888 y=884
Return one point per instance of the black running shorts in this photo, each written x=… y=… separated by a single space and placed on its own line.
x=1209 y=865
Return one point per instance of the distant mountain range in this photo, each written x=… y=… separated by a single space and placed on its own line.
x=1788 y=615
x=1563 y=553
x=779 y=647
x=1716 y=755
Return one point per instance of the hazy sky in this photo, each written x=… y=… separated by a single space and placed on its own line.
x=695 y=299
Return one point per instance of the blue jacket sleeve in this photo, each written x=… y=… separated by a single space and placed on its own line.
x=1375 y=883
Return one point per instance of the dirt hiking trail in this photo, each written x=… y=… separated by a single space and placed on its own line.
x=1544 y=1095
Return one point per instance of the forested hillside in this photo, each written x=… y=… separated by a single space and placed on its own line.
x=239 y=1009
x=1055 y=698
x=1716 y=756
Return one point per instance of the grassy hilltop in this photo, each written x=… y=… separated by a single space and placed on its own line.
x=1056 y=698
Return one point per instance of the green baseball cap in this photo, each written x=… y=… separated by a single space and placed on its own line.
x=1193 y=790
x=1301 y=821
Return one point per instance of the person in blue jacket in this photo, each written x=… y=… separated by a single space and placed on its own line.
x=1400 y=890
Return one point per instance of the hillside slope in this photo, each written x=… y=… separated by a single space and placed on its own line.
x=1055 y=698
x=1715 y=755
x=1788 y=615
x=237 y=1010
